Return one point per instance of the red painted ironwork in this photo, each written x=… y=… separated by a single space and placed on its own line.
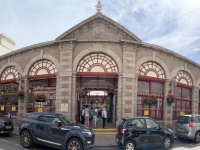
x=42 y=65
x=97 y=62
x=182 y=75
x=11 y=70
x=99 y=6
x=100 y=74
x=151 y=73
x=150 y=66
x=42 y=76
x=181 y=103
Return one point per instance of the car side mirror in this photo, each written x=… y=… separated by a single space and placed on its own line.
x=159 y=127
x=58 y=123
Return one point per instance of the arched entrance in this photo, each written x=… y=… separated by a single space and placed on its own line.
x=96 y=85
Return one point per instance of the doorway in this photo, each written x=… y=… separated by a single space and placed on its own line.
x=97 y=92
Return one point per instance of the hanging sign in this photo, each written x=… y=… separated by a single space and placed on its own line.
x=40 y=109
x=182 y=113
x=2 y=107
x=13 y=108
x=64 y=107
x=146 y=112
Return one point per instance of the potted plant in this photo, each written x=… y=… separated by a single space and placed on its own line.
x=171 y=98
x=20 y=94
x=40 y=98
x=150 y=100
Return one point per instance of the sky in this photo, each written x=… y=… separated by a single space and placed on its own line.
x=172 y=24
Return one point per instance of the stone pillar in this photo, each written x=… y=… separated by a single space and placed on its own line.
x=195 y=100
x=64 y=91
x=119 y=99
x=73 y=97
x=128 y=81
x=168 y=108
x=23 y=104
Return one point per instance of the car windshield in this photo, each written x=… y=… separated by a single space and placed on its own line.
x=122 y=122
x=1 y=115
x=183 y=120
x=64 y=119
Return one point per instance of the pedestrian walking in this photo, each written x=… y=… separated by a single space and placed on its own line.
x=95 y=114
x=82 y=115
x=87 y=116
x=104 y=117
x=10 y=113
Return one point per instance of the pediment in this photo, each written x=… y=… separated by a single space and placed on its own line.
x=98 y=27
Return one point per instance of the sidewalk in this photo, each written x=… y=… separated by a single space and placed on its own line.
x=100 y=140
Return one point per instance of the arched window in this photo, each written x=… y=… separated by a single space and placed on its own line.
x=183 y=93
x=97 y=63
x=9 y=73
x=151 y=69
x=150 y=86
x=42 y=67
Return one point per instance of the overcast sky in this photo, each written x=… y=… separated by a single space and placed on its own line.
x=173 y=24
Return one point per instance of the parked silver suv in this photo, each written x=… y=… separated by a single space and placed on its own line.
x=188 y=127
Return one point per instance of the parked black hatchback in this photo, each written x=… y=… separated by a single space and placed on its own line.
x=54 y=130
x=143 y=132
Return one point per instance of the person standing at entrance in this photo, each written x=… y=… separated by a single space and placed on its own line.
x=82 y=116
x=95 y=117
x=87 y=116
x=104 y=117
x=10 y=114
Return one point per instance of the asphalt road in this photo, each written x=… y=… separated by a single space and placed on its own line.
x=12 y=142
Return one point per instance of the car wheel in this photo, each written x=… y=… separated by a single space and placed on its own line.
x=197 y=137
x=74 y=144
x=129 y=145
x=26 y=139
x=166 y=142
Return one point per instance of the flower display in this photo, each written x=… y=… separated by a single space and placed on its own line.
x=171 y=98
x=20 y=95
x=150 y=100
x=40 y=98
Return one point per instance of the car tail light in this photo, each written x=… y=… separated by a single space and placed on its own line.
x=191 y=124
x=123 y=130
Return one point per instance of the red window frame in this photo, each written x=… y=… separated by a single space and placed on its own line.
x=154 y=109
x=176 y=111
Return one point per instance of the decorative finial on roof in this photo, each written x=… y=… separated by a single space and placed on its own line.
x=98 y=6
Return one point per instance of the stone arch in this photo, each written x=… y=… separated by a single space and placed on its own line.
x=12 y=64
x=109 y=52
x=157 y=60
x=177 y=69
x=198 y=83
x=45 y=56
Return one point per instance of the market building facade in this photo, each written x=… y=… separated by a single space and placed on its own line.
x=98 y=54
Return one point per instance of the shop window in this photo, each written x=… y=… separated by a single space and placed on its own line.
x=150 y=85
x=183 y=93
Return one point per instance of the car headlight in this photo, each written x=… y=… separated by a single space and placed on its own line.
x=170 y=130
x=87 y=132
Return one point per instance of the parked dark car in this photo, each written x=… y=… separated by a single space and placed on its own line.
x=188 y=127
x=6 y=124
x=143 y=132
x=54 y=130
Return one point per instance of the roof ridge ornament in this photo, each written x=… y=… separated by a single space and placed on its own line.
x=99 y=6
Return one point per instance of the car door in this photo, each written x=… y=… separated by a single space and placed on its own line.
x=154 y=135
x=39 y=131
x=138 y=131
x=56 y=134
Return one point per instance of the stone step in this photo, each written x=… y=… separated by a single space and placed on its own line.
x=107 y=131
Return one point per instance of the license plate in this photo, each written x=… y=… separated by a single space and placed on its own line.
x=181 y=130
x=8 y=127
